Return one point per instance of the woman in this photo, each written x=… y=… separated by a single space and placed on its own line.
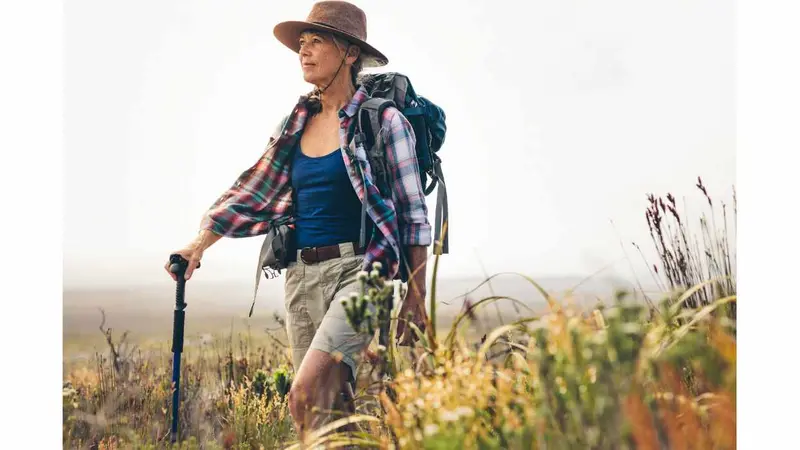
x=313 y=170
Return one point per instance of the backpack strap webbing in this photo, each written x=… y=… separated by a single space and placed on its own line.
x=442 y=216
x=369 y=133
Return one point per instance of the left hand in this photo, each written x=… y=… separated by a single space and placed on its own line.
x=414 y=304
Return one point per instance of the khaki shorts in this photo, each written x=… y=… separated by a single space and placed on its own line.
x=315 y=317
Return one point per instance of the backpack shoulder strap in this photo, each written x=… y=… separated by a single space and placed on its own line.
x=368 y=133
x=370 y=123
x=373 y=108
x=442 y=216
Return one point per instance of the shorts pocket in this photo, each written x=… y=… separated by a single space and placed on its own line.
x=349 y=272
x=293 y=289
x=299 y=328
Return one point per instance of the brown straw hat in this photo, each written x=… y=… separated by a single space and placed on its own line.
x=340 y=18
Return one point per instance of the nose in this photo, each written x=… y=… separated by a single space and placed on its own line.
x=303 y=52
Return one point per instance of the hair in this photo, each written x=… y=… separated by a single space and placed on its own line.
x=314 y=101
x=355 y=68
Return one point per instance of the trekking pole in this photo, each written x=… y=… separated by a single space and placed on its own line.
x=178 y=266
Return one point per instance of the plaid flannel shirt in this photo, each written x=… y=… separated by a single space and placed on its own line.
x=263 y=192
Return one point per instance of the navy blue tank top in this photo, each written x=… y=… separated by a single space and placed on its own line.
x=327 y=209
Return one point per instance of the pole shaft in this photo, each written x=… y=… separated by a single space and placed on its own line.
x=177 y=349
x=176 y=368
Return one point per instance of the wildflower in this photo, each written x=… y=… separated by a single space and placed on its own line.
x=68 y=391
x=464 y=411
x=562 y=386
x=448 y=416
x=362 y=275
x=431 y=429
x=573 y=323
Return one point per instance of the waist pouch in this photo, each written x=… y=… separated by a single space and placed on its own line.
x=277 y=251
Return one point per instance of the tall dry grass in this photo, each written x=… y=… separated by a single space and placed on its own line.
x=611 y=378
x=620 y=376
x=686 y=258
x=233 y=395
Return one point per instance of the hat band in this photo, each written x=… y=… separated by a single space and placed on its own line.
x=335 y=28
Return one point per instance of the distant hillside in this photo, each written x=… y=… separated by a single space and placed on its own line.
x=150 y=307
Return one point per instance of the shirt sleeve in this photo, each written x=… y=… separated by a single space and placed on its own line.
x=241 y=211
x=403 y=174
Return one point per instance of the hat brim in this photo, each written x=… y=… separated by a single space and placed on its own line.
x=288 y=33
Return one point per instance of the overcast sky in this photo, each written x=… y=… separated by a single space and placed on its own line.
x=561 y=117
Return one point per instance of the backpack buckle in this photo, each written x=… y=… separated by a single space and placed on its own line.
x=360 y=139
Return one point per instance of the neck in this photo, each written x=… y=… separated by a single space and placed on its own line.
x=338 y=93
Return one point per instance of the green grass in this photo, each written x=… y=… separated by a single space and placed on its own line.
x=623 y=375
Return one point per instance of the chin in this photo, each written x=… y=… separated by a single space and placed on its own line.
x=310 y=77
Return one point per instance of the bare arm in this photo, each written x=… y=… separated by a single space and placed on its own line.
x=194 y=251
x=205 y=239
x=417 y=261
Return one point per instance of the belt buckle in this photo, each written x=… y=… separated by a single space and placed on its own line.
x=302 y=258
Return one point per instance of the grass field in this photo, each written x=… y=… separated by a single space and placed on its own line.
x=652 y=374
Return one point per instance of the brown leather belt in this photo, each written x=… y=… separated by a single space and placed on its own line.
x=312 y=255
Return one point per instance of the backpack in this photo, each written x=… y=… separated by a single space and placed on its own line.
x=428 y=121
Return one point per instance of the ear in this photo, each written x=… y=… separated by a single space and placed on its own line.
x=352 y=53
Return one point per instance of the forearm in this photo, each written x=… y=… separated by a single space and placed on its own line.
x=417 y=256
x=205 y=239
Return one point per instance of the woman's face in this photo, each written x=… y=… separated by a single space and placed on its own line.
x=320 y=57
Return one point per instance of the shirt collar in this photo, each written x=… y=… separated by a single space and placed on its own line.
x=351 y=108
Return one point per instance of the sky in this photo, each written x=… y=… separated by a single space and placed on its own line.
x=562 y=117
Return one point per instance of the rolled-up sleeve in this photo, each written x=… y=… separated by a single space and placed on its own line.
x=403 y=173
x=239 y=212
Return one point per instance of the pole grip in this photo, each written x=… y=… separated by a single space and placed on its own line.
x=178 y=318
x=177 y=331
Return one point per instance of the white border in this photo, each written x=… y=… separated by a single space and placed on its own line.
x=768 y=115
x=31 y=222
x=768 y=105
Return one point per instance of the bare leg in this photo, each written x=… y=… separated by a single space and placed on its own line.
x=318 y=385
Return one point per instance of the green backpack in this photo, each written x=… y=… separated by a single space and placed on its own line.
x=428 y=121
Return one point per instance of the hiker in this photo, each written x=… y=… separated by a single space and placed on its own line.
x=308 y=171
